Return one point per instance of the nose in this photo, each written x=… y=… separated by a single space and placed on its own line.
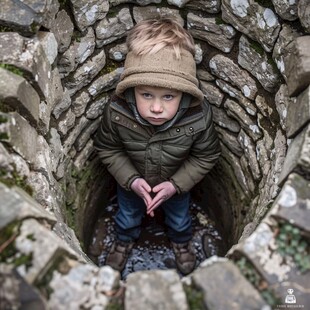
x=156 y=106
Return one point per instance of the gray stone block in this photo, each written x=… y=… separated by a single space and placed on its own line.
x=26 y=18
x=224 y=287
x=297 y=158
x=17 y=132
x=298 y=113
x=29 y=56
x=279 y=272
x=16 y=92
x=17 y=205
x=298 y=66
x=42 y=246
x=152 y=290
x=207 y=29
x=291 y=204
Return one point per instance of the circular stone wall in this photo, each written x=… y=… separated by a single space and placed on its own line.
x=59 y=65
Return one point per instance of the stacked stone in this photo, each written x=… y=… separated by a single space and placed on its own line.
x=59 y=64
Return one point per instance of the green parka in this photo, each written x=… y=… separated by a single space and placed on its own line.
x=182 y=154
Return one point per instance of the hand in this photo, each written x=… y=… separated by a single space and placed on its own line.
x=142 y=189
x=164 y=191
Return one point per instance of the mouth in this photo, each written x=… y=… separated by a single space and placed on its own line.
x=156 y=120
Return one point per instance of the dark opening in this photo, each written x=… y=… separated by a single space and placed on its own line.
x=212 y=226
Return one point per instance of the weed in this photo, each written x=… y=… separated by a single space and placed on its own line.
x=194 y=298
x=291 y=243
x=12 y=69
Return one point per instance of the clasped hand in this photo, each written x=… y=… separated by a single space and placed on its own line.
x=163 y=192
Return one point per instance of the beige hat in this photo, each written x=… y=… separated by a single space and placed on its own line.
x=161 y=69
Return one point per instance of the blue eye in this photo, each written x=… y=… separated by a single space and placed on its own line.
x=147 y=95
x=168 y=97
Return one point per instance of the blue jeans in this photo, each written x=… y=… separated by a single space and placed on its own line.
x=132 y=209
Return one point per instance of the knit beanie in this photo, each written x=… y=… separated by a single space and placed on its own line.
x=161 y=69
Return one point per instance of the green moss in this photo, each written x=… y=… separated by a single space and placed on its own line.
x=251 y=274
x=43 y=283
x=24 y=259
x=256 y=47
x=4 y=136
x=219 y=21
x=265 y=3
x=5 y=108
x=115 y=304
x=291 y=244
x=77 y=35
x=112 y=12
x=14 y=179
x=5 y=29
x=6 y=234
x=9 y=253
x=194 y=298
x=31 y=237
x=62 y=4
x=273 y=64
x=70 y=217
x=3 y=119
x=34 y=27
x=12 y=69
x=109 y=67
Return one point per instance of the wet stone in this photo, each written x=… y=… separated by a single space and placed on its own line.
x=153 y=249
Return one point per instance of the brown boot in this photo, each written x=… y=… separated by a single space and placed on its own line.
x=118 y=254
x=185 y=256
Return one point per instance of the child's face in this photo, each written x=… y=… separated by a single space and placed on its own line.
x=157 y=105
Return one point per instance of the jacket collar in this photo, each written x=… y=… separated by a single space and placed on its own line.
x=192 y=114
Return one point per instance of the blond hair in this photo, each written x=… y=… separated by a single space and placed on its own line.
x=151 y=35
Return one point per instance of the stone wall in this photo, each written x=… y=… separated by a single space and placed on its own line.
x=59 y=64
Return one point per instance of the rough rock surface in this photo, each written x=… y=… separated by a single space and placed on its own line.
x=59 y=64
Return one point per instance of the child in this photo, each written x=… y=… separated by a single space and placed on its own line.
x=157 y=138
